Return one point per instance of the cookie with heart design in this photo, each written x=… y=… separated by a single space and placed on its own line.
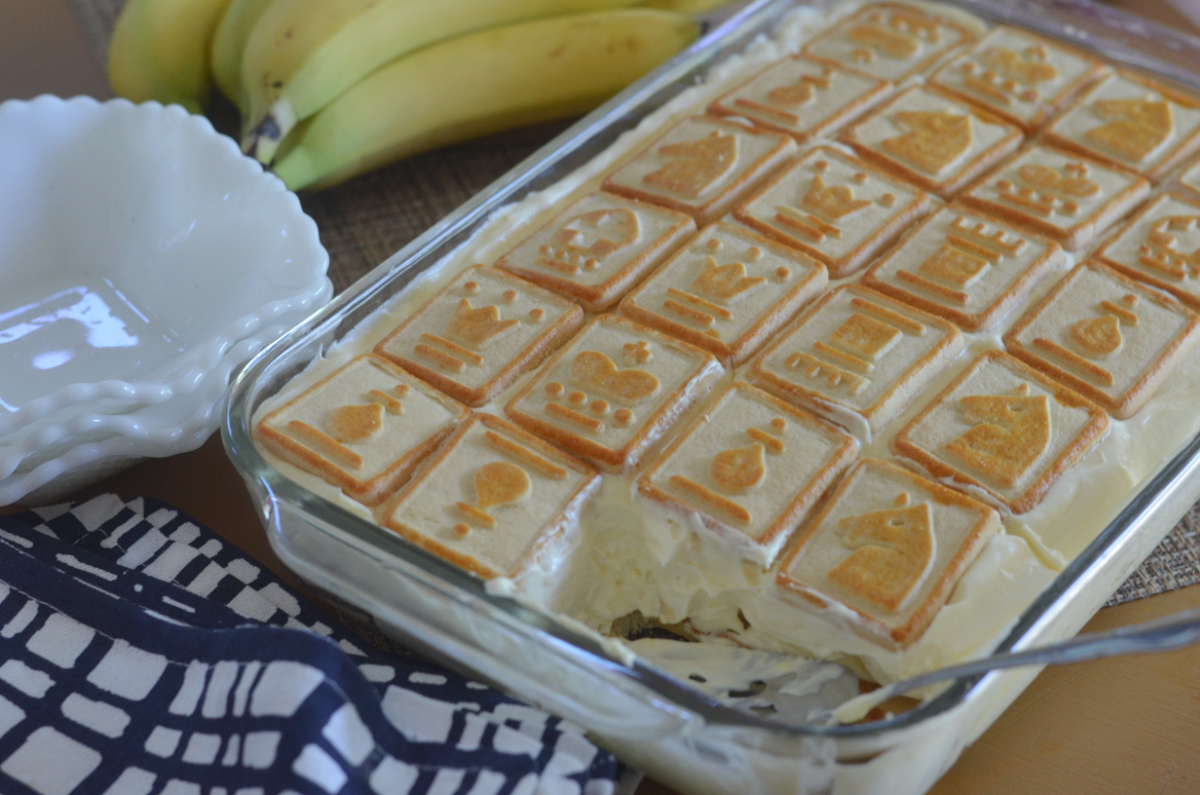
x=494 y=500
x=363 y=428
x=613 y=390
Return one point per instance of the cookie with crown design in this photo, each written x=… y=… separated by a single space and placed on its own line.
x=1160 y=245
x=1066 y=197
x=1018 y=75
x=480 y=333
x=1003 y=428
x=890 y=40
x=1109 y=337
x=965 y=266
x=835 y=208
x=598 y=248
x=613 y=391
x=702 y=166
x=857 y=357
x=932 y=139
x=1130 y=121
x=748 y=471
x=494 y=500
x=363 y=428
x=803 y=97
x=726 y=291
x=888 y=546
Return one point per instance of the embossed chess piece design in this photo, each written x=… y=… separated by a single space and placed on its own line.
x=960 y=262
x=894 y=34
x=934 y=141
x=1045 y=190
x=693 y=167
x=736 y=471
x=583 y=242
x=1133 y=129
x=821 y=209
x=497 y=484
x=1094 y=338
x=893 y=552
x=1161 y=252
x=1009 y=434
x=1008 y=75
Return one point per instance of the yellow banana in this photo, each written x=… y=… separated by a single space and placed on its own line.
x=303 y=54
x=482 y=82
x=686 y=6
x=228 y=44
x=159 y=51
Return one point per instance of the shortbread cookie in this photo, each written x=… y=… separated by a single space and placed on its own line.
x=701 y=166
x=613 y=390
x=964 y=266
x=1187 y=181
x=1005 y=429
x=835 y=208
x=480 y=333
x=748 y=471
x=1106 y=335
x=727 y=291
x=932 y=139
x=1161 y=246
x=494 y=500
x=1063 y=196
x=1018 y=75
x=598 y=248
x=364 y=428
x=890 y=40
x=888 y=546
x=857 y=357
x=802 y=97
x=1131 y=121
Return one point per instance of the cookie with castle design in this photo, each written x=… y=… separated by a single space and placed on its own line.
x=888 y=546
x=1160 y=245
x=857 y=357
x=802 y=97
x=1018 y=75
x=363 y=428
x=494 y=500
x=1064 y=196
x=613 y=390
x=726 y=291
x=1130 y=121
x=932 y=139
x=702 y=166
x=890 y=40
x=747 y=472
x=835 y=208
x=481 y=332
x=1109 y=337
x=1003 y=429
x=598 y=248
x=965 y=266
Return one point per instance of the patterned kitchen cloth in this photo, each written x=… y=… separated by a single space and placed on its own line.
x=140 y=654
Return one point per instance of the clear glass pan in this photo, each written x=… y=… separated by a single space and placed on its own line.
x=660 y=725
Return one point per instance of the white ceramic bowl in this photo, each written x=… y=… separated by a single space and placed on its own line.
x=142 y=259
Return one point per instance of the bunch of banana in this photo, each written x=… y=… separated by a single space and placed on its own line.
x=328 y=89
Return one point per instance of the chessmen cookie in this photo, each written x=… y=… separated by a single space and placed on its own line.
x=965 y=267
x=890 y=40
x=1003 y=428
x=802 y=97
x=747 y=471
x=835 y=208
x=1110 y=337
x=1130 y=121
x=364 y=428
x=857 y=357
x=1187 y=181
x=480 y=333
x=1063 y=196
x=598 y=248
x=1018 y=75
x=726 y=291
x=494 y=500
x=932 y=140
x=701 y=166
x=613 y=390
x=888 y=546
x=1160 y=246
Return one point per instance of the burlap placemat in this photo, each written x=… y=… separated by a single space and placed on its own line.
x=364 y=221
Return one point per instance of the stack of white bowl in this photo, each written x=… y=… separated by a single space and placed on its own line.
x=143 y=260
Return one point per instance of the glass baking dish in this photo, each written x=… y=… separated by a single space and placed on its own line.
x=652 y=721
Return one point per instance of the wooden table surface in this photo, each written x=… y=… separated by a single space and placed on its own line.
x=1127 y=725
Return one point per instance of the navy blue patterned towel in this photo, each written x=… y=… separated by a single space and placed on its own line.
x=140 y=654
